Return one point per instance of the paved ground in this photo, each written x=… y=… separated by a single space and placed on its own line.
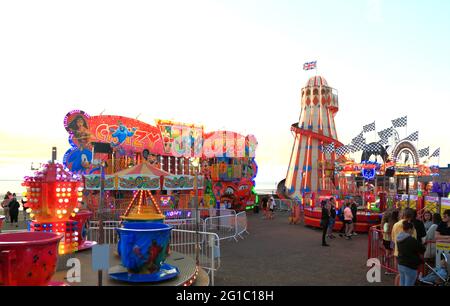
x=8 y=226
x=276 y=253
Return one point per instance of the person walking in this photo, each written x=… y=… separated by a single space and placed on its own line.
x=14 y=210
x=341 y=218
x=332 y=220
x=325 y=218
x=264 y=207
x=348 y=220
x=5 y=205
x=271 y=207
x=409 y=254
x=354 y=209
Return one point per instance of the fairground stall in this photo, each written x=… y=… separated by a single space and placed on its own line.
x=226 y=160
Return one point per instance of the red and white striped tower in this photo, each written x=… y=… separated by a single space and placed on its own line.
x=311 y=170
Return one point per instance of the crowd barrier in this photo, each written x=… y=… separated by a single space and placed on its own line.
x=182 y=240
x=386 y=258
x=227 y=226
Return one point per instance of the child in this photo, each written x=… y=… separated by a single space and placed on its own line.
x=295 y=214
x=442 y=273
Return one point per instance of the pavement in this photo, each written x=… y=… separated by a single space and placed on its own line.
x=276 y=253
x=22 y=224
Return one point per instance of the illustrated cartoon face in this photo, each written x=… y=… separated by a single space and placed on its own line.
x=229 y=191
x=244 y=190
x=79 y=160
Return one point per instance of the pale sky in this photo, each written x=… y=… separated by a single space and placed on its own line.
x=224 y=64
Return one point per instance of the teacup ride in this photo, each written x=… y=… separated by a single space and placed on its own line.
x=82 y=218
x=28 y=258
x=2 y=218
x=143 y=245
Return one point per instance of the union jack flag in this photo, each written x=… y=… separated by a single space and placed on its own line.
x=436 y=153
x=310 y=66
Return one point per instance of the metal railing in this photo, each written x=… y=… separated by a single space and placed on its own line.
x=284 y=204
x=185 y=241
x=376 y=249
x=223 y=226
x=182 y=240
x=241 y=224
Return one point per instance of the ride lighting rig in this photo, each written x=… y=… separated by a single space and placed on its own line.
x=53 y=195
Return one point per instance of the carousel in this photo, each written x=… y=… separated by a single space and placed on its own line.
x=144 y=238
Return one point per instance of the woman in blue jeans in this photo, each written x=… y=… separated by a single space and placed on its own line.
x=409 y=255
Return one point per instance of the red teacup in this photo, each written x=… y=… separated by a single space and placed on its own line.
x=28 y=258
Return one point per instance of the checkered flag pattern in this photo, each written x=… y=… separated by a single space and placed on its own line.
x=329 y=148
x=343 y=150
x=413 y=137
x=436 y=153
x=424 y=152
x=386 y=133
x=400 y=122
x=383 y=141
x=371 y=147
x=369 y=128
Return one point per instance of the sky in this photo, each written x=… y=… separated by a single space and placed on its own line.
x=231 y=64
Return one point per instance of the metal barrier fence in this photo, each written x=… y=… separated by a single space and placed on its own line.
x=110 y=235
x=284 y=204
x=185 y=241
x=223 y=226
x=182 y=241
x=113 y=214
x=376 y=249
x=186 y=224
x=227 y=226
x=241 y=224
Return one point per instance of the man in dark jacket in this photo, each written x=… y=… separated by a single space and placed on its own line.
x=409 y=255
x=324 y=220
x=14 y=210
x=419 y=226
x=354 y=209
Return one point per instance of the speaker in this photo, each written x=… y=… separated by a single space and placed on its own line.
x=390 y=172
x=101 y=147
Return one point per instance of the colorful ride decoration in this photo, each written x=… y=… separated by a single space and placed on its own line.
x=169 y=146
x=28 y=258
x=311 y=168
x=53 y=195
x=143 y=207
x=2 y=218
x=82 y=217
x=143 y=248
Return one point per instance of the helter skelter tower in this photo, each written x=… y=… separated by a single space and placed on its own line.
x=311 y=168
